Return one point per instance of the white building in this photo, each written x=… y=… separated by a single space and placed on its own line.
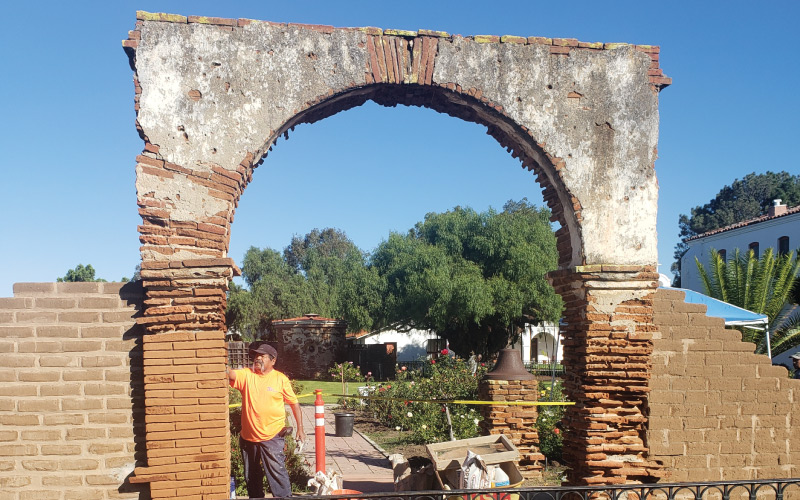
x=538 y=343
x=779 y=229
x=541 y=343
x=411 y=345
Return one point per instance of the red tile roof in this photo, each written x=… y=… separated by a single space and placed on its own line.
x=750 y=222
x=307 y=317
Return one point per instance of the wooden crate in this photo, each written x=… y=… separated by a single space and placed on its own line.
x=493 y=449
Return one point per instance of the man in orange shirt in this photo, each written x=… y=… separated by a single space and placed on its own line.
x=265 y=390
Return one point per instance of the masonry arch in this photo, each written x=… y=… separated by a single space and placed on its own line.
x=213 y=94
x=508 y=134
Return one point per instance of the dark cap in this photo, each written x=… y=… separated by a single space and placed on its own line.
x=260 y=347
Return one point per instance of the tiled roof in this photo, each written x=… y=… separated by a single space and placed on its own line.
x=358 y=335
x=749 y=222
x=307 y=317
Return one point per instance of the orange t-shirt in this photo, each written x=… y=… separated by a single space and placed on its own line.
x=263 y=399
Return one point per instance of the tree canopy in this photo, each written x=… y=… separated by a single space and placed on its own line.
x=474 y=278
x=744 y=199
x=322 y=272
x=760 y=285
x=80 y=273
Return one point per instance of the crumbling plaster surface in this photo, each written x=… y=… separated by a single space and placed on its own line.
x=210 y=96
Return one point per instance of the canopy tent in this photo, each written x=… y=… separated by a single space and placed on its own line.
x=733 y=315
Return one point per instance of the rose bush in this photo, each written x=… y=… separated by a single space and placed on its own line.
x=549 y=420
x=405 y=402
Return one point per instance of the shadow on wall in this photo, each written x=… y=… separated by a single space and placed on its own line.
x=411 y=353
x=133 y=293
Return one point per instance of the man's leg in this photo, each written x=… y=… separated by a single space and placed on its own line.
x=275 y=467
x=253 y=473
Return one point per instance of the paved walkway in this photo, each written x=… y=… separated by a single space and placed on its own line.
x=363 y=467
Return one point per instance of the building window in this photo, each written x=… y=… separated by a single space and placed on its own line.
x=722 y=255
x=783 y=245
x=754 y=248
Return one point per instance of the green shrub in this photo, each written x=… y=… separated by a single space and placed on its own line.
x=448 y=378
x=548 y=423
x=346 y=372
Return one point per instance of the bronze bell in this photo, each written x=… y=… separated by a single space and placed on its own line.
x=509 y=366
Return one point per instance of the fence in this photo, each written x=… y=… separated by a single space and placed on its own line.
x=763 y=489
x=237 y=354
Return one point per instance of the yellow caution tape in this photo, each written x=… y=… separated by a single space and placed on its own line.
x=465 y=402
x=443 y=401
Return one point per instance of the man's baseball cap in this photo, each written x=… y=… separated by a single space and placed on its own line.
x=795 y=355
x=261 y=347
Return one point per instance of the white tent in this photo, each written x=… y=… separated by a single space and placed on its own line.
x=733 y=315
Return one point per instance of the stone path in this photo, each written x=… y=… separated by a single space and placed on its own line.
x=363 y=467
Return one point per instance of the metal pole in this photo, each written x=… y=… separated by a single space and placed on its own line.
x=769 y=347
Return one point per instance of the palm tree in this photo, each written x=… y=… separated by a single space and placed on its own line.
x=760 y=285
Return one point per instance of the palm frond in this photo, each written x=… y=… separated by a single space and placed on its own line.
x=762 y=281
x=704 y=277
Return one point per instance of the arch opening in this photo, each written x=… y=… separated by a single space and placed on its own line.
x=509 y=135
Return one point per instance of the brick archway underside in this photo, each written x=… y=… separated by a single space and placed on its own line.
x=213 y=95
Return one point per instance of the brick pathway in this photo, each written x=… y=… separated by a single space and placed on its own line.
x=362 y=466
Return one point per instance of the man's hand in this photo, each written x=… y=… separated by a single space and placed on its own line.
x=298 y=419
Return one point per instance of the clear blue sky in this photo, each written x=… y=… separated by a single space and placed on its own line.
x=68 y=140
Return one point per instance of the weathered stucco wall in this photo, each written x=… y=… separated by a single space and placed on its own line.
x=213 y=96
x=717 y=410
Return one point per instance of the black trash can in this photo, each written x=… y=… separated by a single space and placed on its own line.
x=344 y=423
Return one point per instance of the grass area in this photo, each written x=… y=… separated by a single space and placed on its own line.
x=329 y=388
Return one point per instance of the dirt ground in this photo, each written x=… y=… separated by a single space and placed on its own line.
x=393 y=441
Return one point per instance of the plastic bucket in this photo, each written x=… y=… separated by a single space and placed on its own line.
x=347 y=492
x=344 y=424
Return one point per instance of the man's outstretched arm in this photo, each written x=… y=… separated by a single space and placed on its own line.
x=298 y=419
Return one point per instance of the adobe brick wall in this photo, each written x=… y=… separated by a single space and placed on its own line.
x=717 y=411
x=607 y=355
x=70 y=391
x=518 y=423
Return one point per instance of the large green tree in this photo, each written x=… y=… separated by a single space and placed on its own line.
x=80 y=273
x=474 y=278
x=322 y=272
x=744 y=199
x=762 y=285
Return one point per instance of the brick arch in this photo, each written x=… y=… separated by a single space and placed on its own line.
x=212 y=95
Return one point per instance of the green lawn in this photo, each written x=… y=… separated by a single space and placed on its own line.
x=329 y=388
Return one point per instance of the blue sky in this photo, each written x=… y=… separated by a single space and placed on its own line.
x=68 y=138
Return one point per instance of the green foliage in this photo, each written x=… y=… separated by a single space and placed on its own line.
x=448 y=378
x=474 y=278
x=346 y=372
x=549 y=420
x=760 y=285
x=80 y=273
x=295 y=464
x=324 y=272
x=744 y=199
